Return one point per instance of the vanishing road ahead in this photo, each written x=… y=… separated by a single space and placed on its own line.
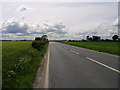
x=74 y=67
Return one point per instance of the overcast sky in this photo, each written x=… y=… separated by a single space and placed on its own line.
x=59 y=20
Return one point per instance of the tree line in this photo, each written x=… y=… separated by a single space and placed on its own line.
x=97 y=38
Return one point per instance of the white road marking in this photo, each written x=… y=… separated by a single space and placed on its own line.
x=103 y=65
x=74 y=51
x=47 y=71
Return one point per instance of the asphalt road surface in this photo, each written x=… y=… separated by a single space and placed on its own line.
x=74 y=67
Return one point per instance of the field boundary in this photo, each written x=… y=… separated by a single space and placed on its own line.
x=40 y=76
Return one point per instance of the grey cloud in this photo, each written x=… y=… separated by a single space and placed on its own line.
x=49 y=28
x=19 y=28
x=14 y=26
x=60 y=28
x=57 y=28
x=116 y=22
x=23 y=8
x=94 y=32
x=105 y=30
x=81 y=33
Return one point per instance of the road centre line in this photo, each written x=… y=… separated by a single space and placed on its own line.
x=74 y=51
x=115 y=70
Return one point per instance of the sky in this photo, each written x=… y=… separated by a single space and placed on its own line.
x=58 y=20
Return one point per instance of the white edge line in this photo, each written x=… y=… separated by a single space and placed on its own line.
x=47 y=71
x=103 y=65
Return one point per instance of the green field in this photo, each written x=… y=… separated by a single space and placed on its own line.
x=107 y=47
x=20 y=63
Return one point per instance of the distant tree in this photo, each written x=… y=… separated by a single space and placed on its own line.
x=102 y=40
x=38 y=39
x=108 y=40
x=115 y=37
x=119 y=39
x=84 y=40
x=96 y=38
x=87 y=38
x=44 y=38
x=90 y=39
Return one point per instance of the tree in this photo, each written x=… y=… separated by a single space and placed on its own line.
x=96 y=38
x=38 y=39
x=44 y=38
x=90 y=39
x=115 y=37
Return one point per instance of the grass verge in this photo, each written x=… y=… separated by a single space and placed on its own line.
x=107 y=47
x=20 y=63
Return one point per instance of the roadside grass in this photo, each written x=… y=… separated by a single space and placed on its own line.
x=20 y=63
x=107 y=47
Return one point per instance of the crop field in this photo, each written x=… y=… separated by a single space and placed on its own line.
x=20 y=63
x=107 y=47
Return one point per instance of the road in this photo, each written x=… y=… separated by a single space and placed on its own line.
x=74 y=67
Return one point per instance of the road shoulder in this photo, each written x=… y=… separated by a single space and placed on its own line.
x=41 y=73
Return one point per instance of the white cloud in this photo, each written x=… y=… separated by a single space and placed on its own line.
x=12 y=25
x=105 y=30
x=47 y=27
x=23 y=8
x=23 y=17
x=18 y=28
x=54 y=30
x=116 y=22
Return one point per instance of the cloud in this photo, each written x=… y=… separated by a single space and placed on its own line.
x=47 y=27
x=116 y=22
x=12 y=25
x=23 y=8
x=20 y=28
x=105 y=30
x=23 y=17
x=55 y=30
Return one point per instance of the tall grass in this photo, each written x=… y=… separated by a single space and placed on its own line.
x=20 y=63
x=107 y=47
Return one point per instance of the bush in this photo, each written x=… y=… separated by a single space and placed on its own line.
x=38 y=44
